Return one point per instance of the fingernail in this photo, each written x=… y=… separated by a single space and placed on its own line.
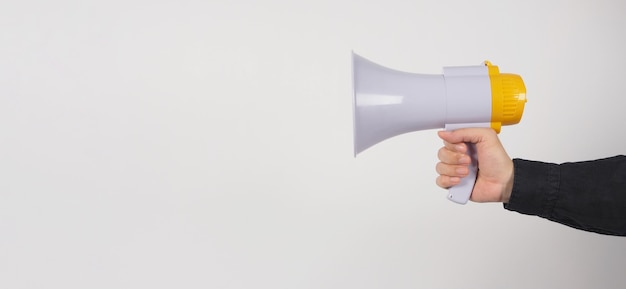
x=462 y=171
x=455 y=180
x=464 y=160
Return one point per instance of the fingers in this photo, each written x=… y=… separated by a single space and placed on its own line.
x=452 y=170
x=453 y=157
x=452 y=167
x=453 y=163
x=446 y=182
x=457 y=147
x=468 y=135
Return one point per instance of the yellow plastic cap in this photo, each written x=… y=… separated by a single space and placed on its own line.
x=508 y=97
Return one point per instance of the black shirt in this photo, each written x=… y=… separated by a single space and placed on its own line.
x=588 y=195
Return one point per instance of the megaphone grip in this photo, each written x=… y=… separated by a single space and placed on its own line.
x=461 y=192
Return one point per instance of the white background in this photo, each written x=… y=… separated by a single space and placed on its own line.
x=208 y=144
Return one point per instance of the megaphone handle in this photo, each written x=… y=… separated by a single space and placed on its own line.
x=461 y=192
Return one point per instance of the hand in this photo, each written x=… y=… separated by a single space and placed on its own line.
x=494 y=180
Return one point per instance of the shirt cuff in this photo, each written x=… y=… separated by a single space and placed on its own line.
x=535 y=188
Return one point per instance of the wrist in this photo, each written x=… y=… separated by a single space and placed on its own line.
x=508 y=186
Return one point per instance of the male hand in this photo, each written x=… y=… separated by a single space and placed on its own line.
x=494 y=180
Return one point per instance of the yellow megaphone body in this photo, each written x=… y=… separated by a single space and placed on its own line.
x=388 y=103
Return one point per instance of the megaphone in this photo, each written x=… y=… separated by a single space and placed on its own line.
x=389 y=102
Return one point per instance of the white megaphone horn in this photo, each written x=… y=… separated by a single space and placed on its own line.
x=388 y=103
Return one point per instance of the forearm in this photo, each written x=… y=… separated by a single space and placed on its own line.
x=588 y=195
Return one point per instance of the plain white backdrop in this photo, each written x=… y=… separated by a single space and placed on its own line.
x=208 y=144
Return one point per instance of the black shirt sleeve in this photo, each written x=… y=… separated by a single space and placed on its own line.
x=588 y=195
